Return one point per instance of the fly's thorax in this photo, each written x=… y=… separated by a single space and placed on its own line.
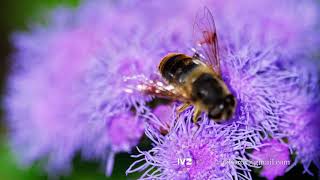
x=211 y=94
x=207 y=87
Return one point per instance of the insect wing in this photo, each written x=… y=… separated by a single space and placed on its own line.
x=155 y=87
x=205 y=36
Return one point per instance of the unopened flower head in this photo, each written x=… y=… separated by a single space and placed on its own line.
x=274 y=158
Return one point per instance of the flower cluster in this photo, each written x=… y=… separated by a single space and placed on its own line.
x=68 y=90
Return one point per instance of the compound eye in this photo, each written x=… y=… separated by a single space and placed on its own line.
x=229 y=99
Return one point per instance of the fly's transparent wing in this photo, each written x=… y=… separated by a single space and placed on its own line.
x=155 y=87
x=205 y=36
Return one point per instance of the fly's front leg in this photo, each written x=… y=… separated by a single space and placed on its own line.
x=183 y=107
x=180 y=109
x=196 y=114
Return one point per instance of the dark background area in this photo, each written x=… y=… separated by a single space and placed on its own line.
x=15 y=16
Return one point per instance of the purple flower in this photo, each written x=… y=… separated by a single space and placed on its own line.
x=66 y=95
x=274 y=157
x=256 y=51
x=284 y=25
x=264 y=66
x=302 y=116
x=45 y=112
x=188 y=152
x=304 y=138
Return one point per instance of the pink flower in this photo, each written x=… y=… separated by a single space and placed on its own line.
x=274 y=157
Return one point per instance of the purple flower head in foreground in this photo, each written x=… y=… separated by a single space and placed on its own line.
x=186 y=152
x=274 y=157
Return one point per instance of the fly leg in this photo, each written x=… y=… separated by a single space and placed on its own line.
x=195 y=117
x=180 y=109
x=183 y=107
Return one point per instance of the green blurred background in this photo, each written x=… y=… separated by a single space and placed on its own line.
x=15 y=16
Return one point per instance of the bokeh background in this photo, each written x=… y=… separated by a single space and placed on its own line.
x=15 y=16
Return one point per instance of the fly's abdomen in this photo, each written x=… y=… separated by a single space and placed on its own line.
x=175 y=67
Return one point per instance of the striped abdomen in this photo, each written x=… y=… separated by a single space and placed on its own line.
x=175 y=67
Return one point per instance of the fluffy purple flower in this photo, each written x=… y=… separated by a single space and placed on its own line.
x=188 y=152
x=256 y=49
x=304 y=138
x=274 y=158
x=66 y=95
x=302 y=116
x=45 y=114
x=280 y=23
x=264 y=65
